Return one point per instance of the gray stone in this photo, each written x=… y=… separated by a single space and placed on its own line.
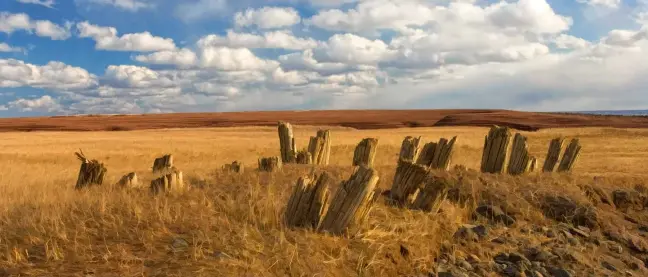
x=559 y=272
x=608 y=266
x=495 y=214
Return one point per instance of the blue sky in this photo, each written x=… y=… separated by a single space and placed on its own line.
x=150 y=56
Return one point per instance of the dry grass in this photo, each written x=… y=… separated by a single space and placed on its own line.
x=232 y=223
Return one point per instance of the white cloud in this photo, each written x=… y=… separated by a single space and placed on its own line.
x=46 y=3
x=130 y=76
x=8 y=48
x=274 y=39
x=267 y=17
x=53 y=75
x=106 y=38
x=127 y=5
x=233 y=59
x=564 y=41
x=197 y=10
x=603 y=3
x=182 y=58
x=352 y=49
x=44 y=103
x=10 y=23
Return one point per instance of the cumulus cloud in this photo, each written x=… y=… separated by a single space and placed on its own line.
x=8 y=48
x=106 y=38
x=182 y=58
x=44 y=103
x=10 y=23
x=127 y=5
x=603 y=3
x=232 y=59
x=192 y=10
x=45 y=3
x=274 y=39
x=53 y=75
x=267 y=17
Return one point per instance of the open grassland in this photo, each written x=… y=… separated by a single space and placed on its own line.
x=230 y=225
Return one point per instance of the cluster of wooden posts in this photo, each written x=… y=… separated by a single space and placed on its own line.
x=415 y=184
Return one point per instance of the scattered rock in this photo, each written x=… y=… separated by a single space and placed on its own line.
x=466 y=233
x=634 y=263
x=465 y=265
x=614 y=247
x=625 y=200
x=499 y=240
x=608 y=266
x=495 y=214
x=533 y=273
x=404 y=251
x=179 y=244
x=566 y=210
x=542 y=256
x=581 y=231
x=596 y=195
x=559 y=272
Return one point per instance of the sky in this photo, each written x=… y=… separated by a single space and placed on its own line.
x=65 y=57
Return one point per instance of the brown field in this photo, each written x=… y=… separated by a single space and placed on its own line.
x=232 y=223
x=358 y=119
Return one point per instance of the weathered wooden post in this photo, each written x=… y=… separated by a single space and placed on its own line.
x=163 y=164
x=308 y=202
x=320 y=147
x=437 y=155
x=235 y=166
x=494 y=157
x=92 y=172
x=352 y=202
x=365 y=152
x=431 y=196
x=168 y=183
x=270 y=164
x=520 y=161
x=407 y=180
x=129 y=180
x=410 y=149
x=304 y=157
x=287 y=143
x=553 y=154
x=570 y=157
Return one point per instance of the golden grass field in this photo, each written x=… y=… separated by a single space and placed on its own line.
x=232 y=223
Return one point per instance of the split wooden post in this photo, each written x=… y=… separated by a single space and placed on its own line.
x=520 y=161
x=270 y=164
x=410 y=149
x=308 y=202
x=570 y=157
x=304 y=157
x=431 y=196
x=287 y=143
x=129 y=180
x=235 y=166
x=352 y=202
x=496 y=143
x=365 y=152
x=163 y=164
x=320 y=147
x=92 y=172
x=553 y=154
x=437 y=155
x=407 y=180
x=168 y=183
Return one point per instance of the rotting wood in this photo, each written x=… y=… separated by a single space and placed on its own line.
x=427 y=154
x=570 y=157
x=235 y=166
x=287 y=143
x=520 y=160
x=431 y=196
x=410 y=149
x=407 y=181
x=437 y=155
x=163 y=164
x=365 y=152
x=320 y=147
x=304 y=157
x=169 y=183
x=308 y=202
x=129 y=180
x=553 y=154
x=494 y=156
x=92 y=172
x=352 y=202
x=270 y=164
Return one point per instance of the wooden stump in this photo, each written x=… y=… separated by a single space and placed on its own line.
x=169 y=183
x=431 y=195
x=520 y=161
x=308 y=202
x=270 y=164
x=287 y=143
x=129 y=180
x=407 y=180
x=92 y=172
x=437 y=155
x=352 y=202
x=494 y=157
x=553 y=154
x=410 y=149
x=163 y=164
x=365 y=152
x=304 y=157
x=320 y=147
x=235 y=167
x=570 y=157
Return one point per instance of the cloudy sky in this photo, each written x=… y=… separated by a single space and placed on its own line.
x=150 y=56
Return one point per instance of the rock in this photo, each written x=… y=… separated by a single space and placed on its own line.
x=532 y=273
x=559 y=272
x=512 y=271
x=404 y=251
x=495 y=214
x=466 y=233
x=566 y=210
x=643 y=228
x=481 y=231
x=551 y=234
x=501 y=258
x=518 y=258
x=625 y=200
x=179 y=244
x=608 y=266
x=637 y=244
x=543 y=256
x=581 y=231
x=499 y=240
x=465 y=265
x=474 y=259
x=596 y=195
